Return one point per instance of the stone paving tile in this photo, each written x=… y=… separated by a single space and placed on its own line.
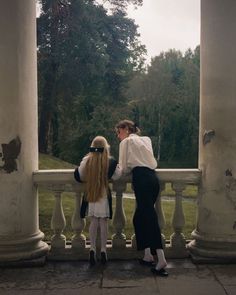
x=130 y=291
x=7 y=284
x=181 y=263
x=121 y=271
x=130 y=278
x=80 y=291
x=74 y=276
x=194 y=282
x=226 y=274
x=118 y=277
x=21 y=292
x=24 y=278
x=82 y=266
x=126 y=279
x=230 y=290
x=122 y=265
x=53 y=284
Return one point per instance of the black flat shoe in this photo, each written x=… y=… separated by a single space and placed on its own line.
x=146 y=263
x=92 y=260
x=160 y=272
x=103 y=258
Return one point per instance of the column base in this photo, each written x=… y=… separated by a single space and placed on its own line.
x=206 y=249
x=27 y=263
x=23 y=251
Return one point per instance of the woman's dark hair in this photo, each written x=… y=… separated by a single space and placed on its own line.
x=130 y=125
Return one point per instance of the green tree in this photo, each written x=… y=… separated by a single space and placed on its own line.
x=166 y=100
x=52 y=17
x=121 y=4
x=86 y=57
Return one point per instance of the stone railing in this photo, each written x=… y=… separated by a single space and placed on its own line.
x=60 y=181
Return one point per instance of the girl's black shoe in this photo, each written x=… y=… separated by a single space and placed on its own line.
x=103 y=258
x=92 y=260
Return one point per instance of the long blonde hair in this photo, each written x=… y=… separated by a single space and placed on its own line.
x=96 y=170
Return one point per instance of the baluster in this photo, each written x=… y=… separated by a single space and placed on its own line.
x=177 y=239
x=119 y=220
x=78 y=224
x=160 y=213
x=58 y=221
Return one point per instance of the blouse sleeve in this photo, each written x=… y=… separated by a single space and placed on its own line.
x=81 y=168
x=123 y=156
x=117 y=173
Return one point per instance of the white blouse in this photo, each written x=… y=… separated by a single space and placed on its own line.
x=136 y=151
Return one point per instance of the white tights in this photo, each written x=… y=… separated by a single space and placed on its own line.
x=93 y=229
x=160 y=257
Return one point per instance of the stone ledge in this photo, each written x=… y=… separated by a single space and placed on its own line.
x=69 y=254
x=24 y=262
x=211 y=260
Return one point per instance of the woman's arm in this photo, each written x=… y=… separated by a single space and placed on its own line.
x=117 y=173
x=123 y=156
x=114 y=171
x=79 y=173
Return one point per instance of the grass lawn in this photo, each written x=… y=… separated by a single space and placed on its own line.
x=50 y=162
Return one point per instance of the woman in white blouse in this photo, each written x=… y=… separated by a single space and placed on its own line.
x=136 y=157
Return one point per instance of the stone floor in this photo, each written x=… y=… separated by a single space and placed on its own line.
x=118 y=277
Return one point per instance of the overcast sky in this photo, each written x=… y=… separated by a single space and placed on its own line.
x=165 y=24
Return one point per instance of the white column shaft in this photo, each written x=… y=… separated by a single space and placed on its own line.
x=18 y=121
x=217 y=138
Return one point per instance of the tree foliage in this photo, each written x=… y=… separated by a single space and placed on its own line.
x=165 y=103
x=86 y=56
x=91 y=75
x=120 y=4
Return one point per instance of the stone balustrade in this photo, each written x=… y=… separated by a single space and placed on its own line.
x=60 y=181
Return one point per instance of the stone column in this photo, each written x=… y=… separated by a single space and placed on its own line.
x=20 y=237
x=215 y=235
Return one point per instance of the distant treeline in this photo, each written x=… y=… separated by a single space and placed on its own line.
x=92 y=73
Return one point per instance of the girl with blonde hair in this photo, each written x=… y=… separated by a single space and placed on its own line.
x=95 y=169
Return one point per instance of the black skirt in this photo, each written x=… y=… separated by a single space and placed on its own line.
x=146 y=189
